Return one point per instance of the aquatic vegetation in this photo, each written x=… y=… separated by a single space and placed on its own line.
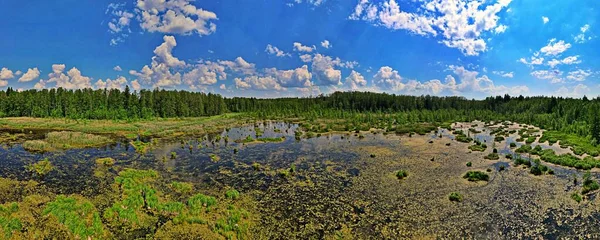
x=41 y=168
x=578 y=144
x=475 y=176
x=522 y=161
x=480 y=147
x=9 y=223
x=141 y=147
x=575 y=196
x=401 y=174
x=66 y=140
x=78 y=215
x=275 y=139
x=492 y=156
x=37 y=146
x=455 y=197
x=259 y=132
x=232 y=225
x=201 y=203
x=107 y=162
x=232 y=194
x=214 y=158
x=513 y=145
x=256 y=166
x=469 y=164
x=461 y=137
x=589 y=184
x=508 y=156
x=248 y=139
x=181 y=187
x=173 y=155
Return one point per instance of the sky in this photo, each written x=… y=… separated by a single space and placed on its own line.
x=284 y=48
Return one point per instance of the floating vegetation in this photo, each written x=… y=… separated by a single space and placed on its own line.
x=475 y=176
x=455 y=197
x=41 y=168
x=65 y=140
x=107 y=162
x=141 y=147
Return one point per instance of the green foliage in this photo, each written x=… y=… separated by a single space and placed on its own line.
x=141 y=147
x=275 y=139
x=173 y=155
x=492 y=156
x=232 y=194
x=455 y=197
x=480 y=147
x=513 y=145
x=201 y=203
x=78 y=215
x=181 y=187
x=589 y=184
x=232 y=225
x=9 y=223
x=107 y=162
x=401 y=174
x=41 y=168
x=469 y=164
x=524 y=149
x=498 y=138
x=475 y=176
x=575 y=196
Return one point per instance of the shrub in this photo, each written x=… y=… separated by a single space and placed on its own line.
x=475 y=176
x=499 y=139
x=513 y=145
x=232 y=194
x=589 y=184
x=469 y=164
x=575 y=196
x=455 y=197
x=401 y=174
x=492 y=156
x=173 y=155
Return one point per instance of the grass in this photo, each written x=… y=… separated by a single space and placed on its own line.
x=181 y=187
x=578 y=144
x=478 y=147
x=266 y=140
x=475 y=176
x=141 y=147
x=401 y=174
x=575 y=196
x=589 y=184
x=41 y=168
x=232 y=194
x=66 y=140
x=455 y=197
x=78 y=215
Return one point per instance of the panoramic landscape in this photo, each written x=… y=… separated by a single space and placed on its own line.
x=299 y=119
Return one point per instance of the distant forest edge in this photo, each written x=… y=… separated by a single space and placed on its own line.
x=574 y=116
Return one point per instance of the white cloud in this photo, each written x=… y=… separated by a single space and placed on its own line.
x=568 y=61
x=326 y=44
x=306 y=58
x=555 y=48
x=388 y=79
x=275 y=51
x=40 y=85
x=136 y=85
x=534 y=61
x=117 y=68
x=301 y=48
x=579 y=75
x=160 y=73
x=299 y=77
x=240 y=65
x=176 y=17
x=31 y=74
x=577 y=91
x=18 y=73
x=205 y=73
x=581 y=38
x=461 y=23
x=324 y=71
x=355 y=81
x=545 y=19
x=258 y=83
x=555 y=76
x=119 y=24
x=6 y=74
x=222 y=87
x=72 y=80
x=315 y=3
x=504 y=74
x=118 y=83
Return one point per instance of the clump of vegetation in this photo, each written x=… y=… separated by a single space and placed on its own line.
x=173 y=155
x=37 y=146
x=508 y=156
x=107 y=162
x=401 y=174
x=589 y=184
x=513 y=145
x=141 y=147
x=469 y=164
x=492 y=156
x=455 y=197
x=276 y=139
x=41 y=168
x=461 y=137
x=65 y=140
x=522 y=161
x=498 y=138
x=78 y=215
x=181 y=187
x=575 y=196
x=256 y=166
x=232 y=194
x=373 y=156
x=524 y=149
x=475 y=176
x=214 y=158
x=479 y=146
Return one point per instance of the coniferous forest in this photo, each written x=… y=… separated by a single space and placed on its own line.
x=573 y=116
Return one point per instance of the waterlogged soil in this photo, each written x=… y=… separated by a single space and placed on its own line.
x=343 y=185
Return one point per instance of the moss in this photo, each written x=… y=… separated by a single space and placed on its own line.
x=105 y=162
x=201 y=203
x=78 y=215
x=232 y=225
x=475 y=176
x=455 y=197
x=41 y=168
x=9 y=223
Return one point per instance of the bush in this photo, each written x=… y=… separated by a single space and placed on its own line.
x=455 y=197
x=575 y=196
x=499 y=139
x=513 y=145
x=469 y=164
x=492 y=156
x=475 y=176
x=401 y=174
x=589 y=184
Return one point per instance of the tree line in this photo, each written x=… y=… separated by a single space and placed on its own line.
x=576 y=116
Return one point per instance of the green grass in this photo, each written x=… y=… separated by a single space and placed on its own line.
x=575 y=196
x=41 y=168
x=589 y=184
x=275 y=139
x=141 y=147
x=478 y=147
x=66 y=140
x=78 y=215
x=578 y=144
x=181 y=187
x=9 y=223
x=455 y=197
x=232 y=194
x=105 y=161
x=475 y=176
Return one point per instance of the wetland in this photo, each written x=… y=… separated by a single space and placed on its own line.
x=293 y=180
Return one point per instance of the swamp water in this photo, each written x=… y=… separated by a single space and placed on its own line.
x=341 y=184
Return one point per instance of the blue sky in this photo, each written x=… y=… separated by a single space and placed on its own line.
x=268 y=48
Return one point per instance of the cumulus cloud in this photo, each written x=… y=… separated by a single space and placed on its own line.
x=275 y=51
x=160 y=73
x=258 y=83
x=119 y=23
x=545 y=19
x=6 y=74
x=315 y=3
x=240 y=65
x=301 y=48
x=326 y=44
x=555 y=76
x=388 y=79
x=18 y=73
x=460 y=23
x=40 y=85
x=555 y=48
x=117 y=68
x=175 y=17
x=118 y=83
x=579 y=75
x=205 y=73
x=136 y=85
x=577 y=91
x=222 y=87
x=323 y=68
x=355 y=81
x=567 y=61
x=295 y=78
x=72 y=80
x=30 y=75
x=504 y=74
